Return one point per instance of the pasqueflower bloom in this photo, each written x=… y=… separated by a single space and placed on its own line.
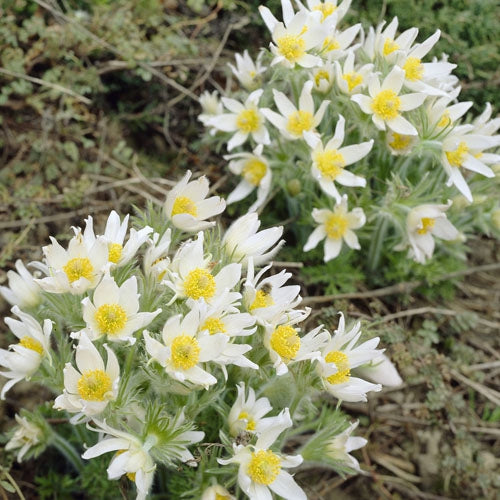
x=484 y=125
x=246 y=71
x=381 y=370
x=328 y=8
x=25 y=437
x=337 y=45
x=25 y=357
x=441 y=115
x=323 y=77
x=156 y=260
x=351 y=80
x=216 y=492
x=340 y=446
x=22 y=291
x=211 y=106
x=187 y=207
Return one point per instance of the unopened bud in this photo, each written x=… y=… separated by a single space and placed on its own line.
x=294 y=187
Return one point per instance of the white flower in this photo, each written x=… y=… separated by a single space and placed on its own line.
x=484 y=125
x=243 y=119
x=328 y=8
x=341 y=445
x=294 y=39
x=337 y=45
x=424 y=222
x=187 y=207
x=350 y=80
x=440 y=115
x=132 y=457
x=340 y=356
x=293 y=122
x=385 y=104
x=243 y=240
x=25 y=357
x=248 y=72
x=261 y=469
x=88 y=390
x=114 y=235
x=323 y=77
x=328 y=161
x=76 y=269
x=255 y=172
x=400 y=144
x=25 y=437
x=334 y=227
x=216 y=492
x=211 y=106
x=22 y=291
x=114 y=311
x=381 y=370
x=156 y=261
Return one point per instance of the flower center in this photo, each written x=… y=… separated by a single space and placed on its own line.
x=94 y=385
x=199 y=283
x=330 y=163
x=445 y=120
x=286 y=342
x=353 y=80
x=292 y=47
x=254 y=170
x=342 y=363
x=248 y=121
x=326 y=9
x=262 y=299
x=185 y=352
x=264 y=467
x=250 y=421
x=389 y=46
x=336 y=226
x=330 y=44
x=184 y=205
x=321 y=75
x=386 y=104
x=110 y=318
x=77 y=268
x=214 y=325
x=427 y=224
x=114 y=252
x=300 y=121
x=31 y=343
x=414 y=69
x=457 y=157
x=218 y=496
x=399 y=141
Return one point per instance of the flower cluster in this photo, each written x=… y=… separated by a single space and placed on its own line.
x=374 y=121
x=171 y=335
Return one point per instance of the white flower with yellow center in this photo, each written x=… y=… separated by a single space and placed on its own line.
x=329 y=160
x=340 y=356
x=114 y=234
x=328 y=8
x=323 y=77
x=293 y=121
x=248 y=72
x=339 y=44
x=190 y=274
x=286 y=346
x=132 y=458
x=244 y=120
x=114 y=311
x=88 y=390
x=351 y=80
x=211 y=106
x=293 y=39
x=22 y=291
x=156 y=261
x=256 y=174
x=399 y=144
x=183 y=350
x=424 y=222
x=24 y=358
x=25 y=437
x=243 y=240
x=216 y=492
x=187 y=206
x=441 y=115
x=386 y=105
x=465 y=151
x=340 y=447
x=76 y=269
x=334 y=227
x=261 y=470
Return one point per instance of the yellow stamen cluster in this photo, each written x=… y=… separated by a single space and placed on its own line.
x=390 y=46
x=457 y=157
x=262 y=299
x=414 y=69
x=94 y=385
x=326 y=9
x=330 y=44
x=286 y=342
x=342 y=363
x=300 y=121
x=427 y=224
x=445 y=120
x=292 y=47
x=336 y=226
x=321 y=75
x=253 y=171
x=110 y=318
x=31 y=343
x=400 y=142
x=353 y=80
x=214 y=325
x=79 y=267
x=199 y=283
x=330 y=163
x=114 y=252
x=386 y=104
x=250 y=421
x=184 y=205
x=185 y=352
x=264 y=467
x=218 y=496
x=248 y=121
